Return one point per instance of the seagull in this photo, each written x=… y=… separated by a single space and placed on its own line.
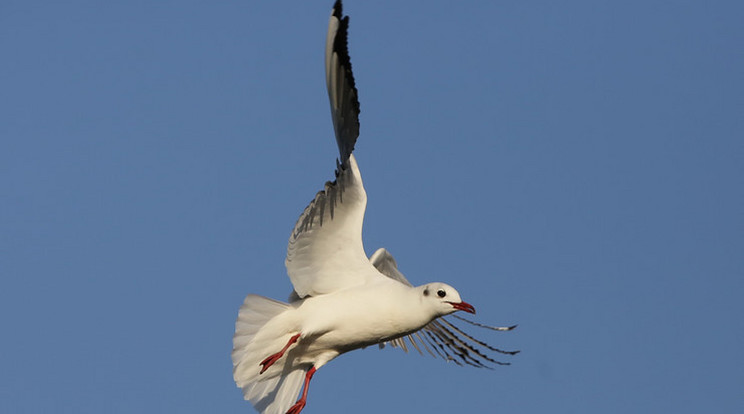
x=342 y=300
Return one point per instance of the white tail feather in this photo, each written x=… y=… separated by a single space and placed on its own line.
x=274 y=391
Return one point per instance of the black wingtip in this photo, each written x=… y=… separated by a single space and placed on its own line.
x=347 y=136
x=338 y=9
x=341 y=47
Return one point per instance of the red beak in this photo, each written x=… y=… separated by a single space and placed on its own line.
x=463 y=306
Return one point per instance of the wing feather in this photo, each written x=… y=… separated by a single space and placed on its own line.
x=445 y=339
x=342 y=91
x=325 y=251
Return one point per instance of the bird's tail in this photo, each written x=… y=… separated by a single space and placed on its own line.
x=263 y=328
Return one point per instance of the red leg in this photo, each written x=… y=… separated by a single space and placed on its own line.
x=300 y=404
x=266 y=363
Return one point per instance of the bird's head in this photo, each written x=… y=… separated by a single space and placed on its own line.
x=444 y=299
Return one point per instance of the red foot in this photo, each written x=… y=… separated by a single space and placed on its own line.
x=300 y=404
x=295 y=409
x=266 y=363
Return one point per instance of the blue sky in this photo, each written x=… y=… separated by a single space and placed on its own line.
x=573 y=167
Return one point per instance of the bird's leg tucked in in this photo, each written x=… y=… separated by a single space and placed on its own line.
x=266 y=363
x=300 y=404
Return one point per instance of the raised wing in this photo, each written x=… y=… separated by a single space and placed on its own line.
x=342 y=92
x=441 y=337
x=325 y=251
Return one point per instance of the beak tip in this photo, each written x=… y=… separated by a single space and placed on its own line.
x=464 y=306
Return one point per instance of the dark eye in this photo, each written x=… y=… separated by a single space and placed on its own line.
x=441 y=293
x=426 y=292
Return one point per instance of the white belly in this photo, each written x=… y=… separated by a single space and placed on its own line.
x=358 y=318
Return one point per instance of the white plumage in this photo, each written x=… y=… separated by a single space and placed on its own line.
x=342 y=300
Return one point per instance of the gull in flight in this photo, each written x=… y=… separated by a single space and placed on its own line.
x=342 y=300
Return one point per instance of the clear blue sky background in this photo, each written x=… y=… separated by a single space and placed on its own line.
x=573 y=167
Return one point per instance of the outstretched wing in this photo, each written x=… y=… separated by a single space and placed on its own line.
x=440 y=337
x=325 y=251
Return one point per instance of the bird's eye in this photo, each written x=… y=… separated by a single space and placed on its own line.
x=441 y=293
x=426 y=292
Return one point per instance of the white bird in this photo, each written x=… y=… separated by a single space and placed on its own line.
x=342 y=300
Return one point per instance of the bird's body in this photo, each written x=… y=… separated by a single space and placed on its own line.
x=352 y=318
x=323 y=327
x=374 y=320
x=342 y=300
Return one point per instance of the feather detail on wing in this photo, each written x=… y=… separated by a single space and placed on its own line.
x=342 y=91
x=325 y=251
x=441 y=337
